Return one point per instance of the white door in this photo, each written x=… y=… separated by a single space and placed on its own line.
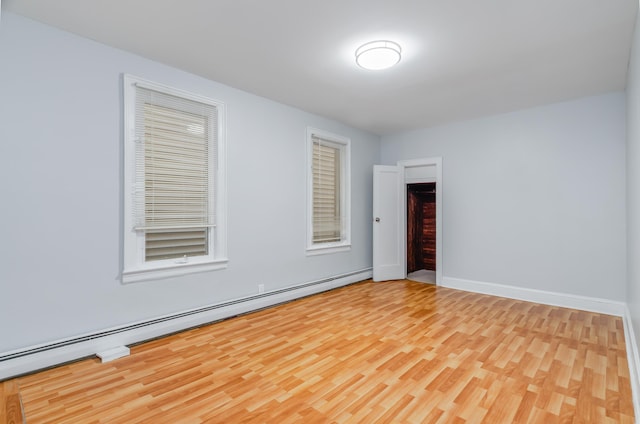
x=388 y=240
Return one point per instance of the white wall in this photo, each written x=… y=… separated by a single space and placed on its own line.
x=60 y=167
x=633 y=182
x=534 y=198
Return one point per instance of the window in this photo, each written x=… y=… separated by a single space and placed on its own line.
x=174 y=200
x=329 y=193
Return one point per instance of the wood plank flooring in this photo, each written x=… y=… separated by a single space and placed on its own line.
x=10 y=407
x=399 y=351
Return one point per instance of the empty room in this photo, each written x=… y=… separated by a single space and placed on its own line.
x=319 y=212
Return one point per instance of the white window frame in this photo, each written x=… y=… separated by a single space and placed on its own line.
x=135 y=268
x=345 y=193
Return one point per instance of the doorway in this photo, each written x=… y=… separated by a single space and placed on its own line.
x=421 y=232
x=390 y=215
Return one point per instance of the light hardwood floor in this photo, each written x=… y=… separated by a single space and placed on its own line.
x=10 y=408
x=398 y=351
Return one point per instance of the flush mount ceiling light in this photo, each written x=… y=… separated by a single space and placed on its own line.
x=377 y=55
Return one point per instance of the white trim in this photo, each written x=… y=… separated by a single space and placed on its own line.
x=164 y=325
x=633 y=359
x=413 y=163
x=171 y=270
x=134 y=267
x=419 y=180
x=591 y=304
x=328 y=248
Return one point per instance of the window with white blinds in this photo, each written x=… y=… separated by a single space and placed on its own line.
x=327 y=218
x=172 y=141
x=329 y=192
x=175 y=162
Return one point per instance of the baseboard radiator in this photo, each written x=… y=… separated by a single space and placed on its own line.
x=42 y=356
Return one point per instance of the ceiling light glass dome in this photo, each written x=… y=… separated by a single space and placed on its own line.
x=377 y=55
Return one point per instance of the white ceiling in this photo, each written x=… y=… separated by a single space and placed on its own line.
x=462 y=58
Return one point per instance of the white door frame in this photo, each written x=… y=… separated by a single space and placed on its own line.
x=414 y=163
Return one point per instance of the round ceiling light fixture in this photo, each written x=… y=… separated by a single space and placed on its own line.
x=377 y=55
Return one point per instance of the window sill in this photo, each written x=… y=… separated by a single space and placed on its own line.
x=171 y=270
x=328 y=249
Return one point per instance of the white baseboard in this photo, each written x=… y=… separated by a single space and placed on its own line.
x=46 y=355
x=591 y=304
x=633 y=358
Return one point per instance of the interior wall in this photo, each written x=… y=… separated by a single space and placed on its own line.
x=61 y=214
x=633 y=182
x=533 y=198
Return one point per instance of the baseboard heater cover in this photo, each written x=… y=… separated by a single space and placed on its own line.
x=22 y=361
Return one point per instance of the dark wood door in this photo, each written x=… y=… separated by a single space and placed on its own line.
x=421 y=227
